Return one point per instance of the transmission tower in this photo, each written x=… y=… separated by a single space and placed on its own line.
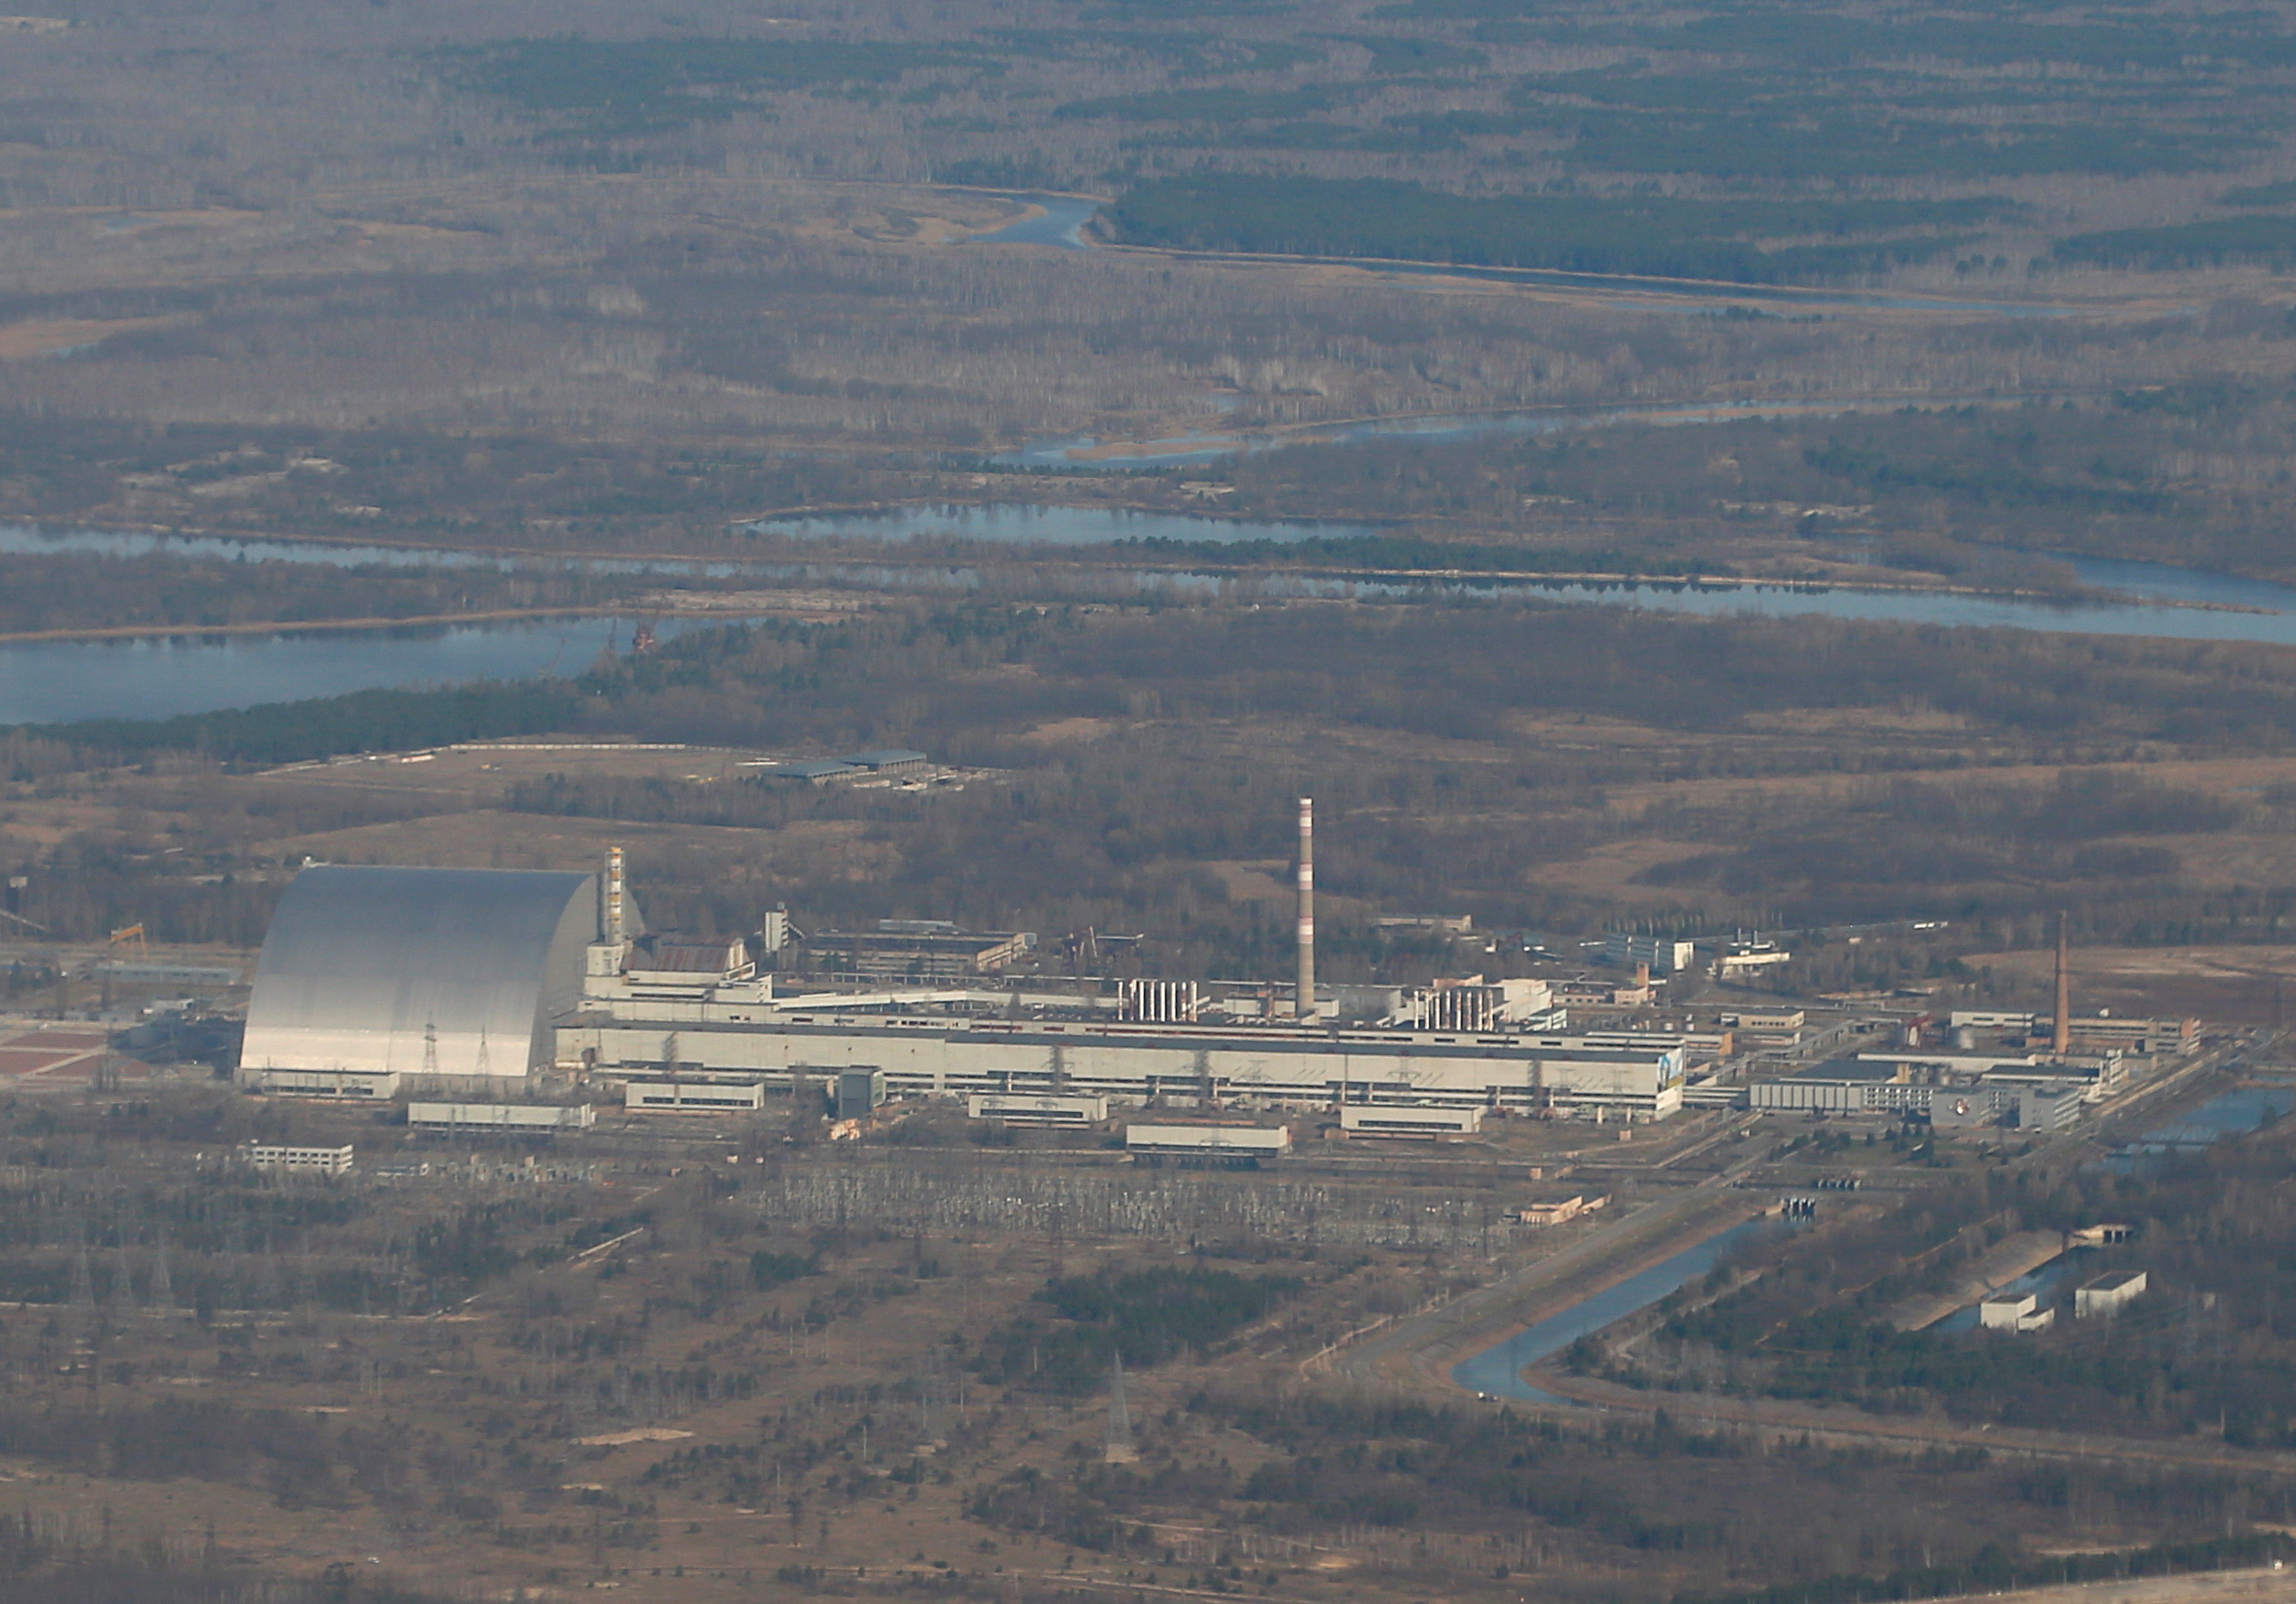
x=1119 y=1450
x=163 y=1285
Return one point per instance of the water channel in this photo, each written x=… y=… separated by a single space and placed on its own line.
x=1498 y=1371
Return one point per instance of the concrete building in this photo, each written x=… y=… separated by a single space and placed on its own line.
x=890 y=760
x=669 y=961
x=899 y=955
x=667 y=1096
x=1422 y=1125
x=1024 y=1110
x=1768 y=1019
x=1963 y=1110
x=1470 y=1004
x=500 y=1117
x=859 y=1092
x=2107 y=1294
x=934 y=1054
x=2015 y=1312
x=455 y=972
x=1843 y=1086
x=1208 y=1141
x=2047 y=1109
x=1979 y=1019
x=2136 y=1036
x=1740 y=959
x=1557 y=1213
x=818 y=771
x=298 y=1160
x=1665 y=955
x=328 y=1086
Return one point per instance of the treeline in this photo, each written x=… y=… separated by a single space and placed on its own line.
x=360 y=721
x=2203 y=1349
x=1659 y=1511
x=43 y=1561
x=1144 y=1317
x=1649 y=235
x=2214 y=243
x=1994 y=1569
x=2181 y=473
x=1131 y=833
x=1961 y=844
x=88 y=592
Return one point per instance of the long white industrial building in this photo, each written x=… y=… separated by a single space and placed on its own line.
x=946 y=1055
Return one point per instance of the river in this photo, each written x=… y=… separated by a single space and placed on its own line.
x=54 y=681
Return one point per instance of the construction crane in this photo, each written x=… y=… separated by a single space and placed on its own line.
x=131 y=936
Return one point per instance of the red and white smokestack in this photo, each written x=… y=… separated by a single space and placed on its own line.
x=1304 y=1003
x=617 y=924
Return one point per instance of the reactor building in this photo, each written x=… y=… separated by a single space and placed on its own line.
x=371 y=977
x=458 y=973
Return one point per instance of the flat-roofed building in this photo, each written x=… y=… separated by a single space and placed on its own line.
x=859 y=1092
x=897 y=954
x=1557 y=1212
x=1419 y=1124
x=1665 y=955
x=811 y=771
x=2015 y=1312
x=1774 y=1018
x=331 y=1085
x=888 y=760
x=1213 y=1141
x=2133 y=1036
x=667 y=1096
x=1021 y=1110
x=501 y=1116
x=2051 y=1107
x=296 y=1160
x=2107 y=1294
x=1980 y=1018
x=930 y=1054
x=669 y=958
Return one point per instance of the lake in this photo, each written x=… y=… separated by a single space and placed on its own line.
x=49 y=682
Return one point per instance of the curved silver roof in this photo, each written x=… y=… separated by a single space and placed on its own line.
x=422 y=971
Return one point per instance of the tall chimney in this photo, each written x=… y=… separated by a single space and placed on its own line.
x=1304 y=1003
x=616 y=925
x=2062 y=1041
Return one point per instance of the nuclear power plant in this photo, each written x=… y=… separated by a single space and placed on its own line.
x=371 y=980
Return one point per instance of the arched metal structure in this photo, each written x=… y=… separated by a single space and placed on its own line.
x=420 y=971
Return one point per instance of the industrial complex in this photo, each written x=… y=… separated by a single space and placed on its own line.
x=376 y=983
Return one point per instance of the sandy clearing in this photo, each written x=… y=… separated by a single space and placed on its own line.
x=21 y=341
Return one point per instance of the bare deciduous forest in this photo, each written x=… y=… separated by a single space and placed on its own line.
x=501 y=310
